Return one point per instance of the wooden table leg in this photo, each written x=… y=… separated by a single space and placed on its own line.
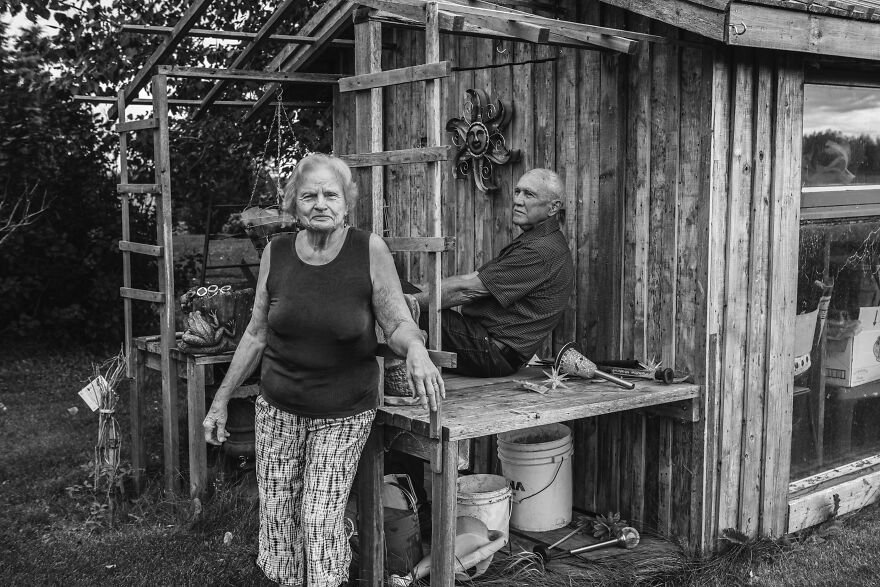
x=443 y=514
x=136 y=415
x=195 y=399
x=370 y=516
x=170 y=439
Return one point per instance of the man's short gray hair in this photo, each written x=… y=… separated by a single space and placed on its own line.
x=555 y=185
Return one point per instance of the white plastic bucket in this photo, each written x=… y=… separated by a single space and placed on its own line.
x=487 y=498
x=537 y=463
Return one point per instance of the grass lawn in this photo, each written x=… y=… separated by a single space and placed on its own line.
x=54 y=532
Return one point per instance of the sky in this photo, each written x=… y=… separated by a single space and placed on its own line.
x=850 y=110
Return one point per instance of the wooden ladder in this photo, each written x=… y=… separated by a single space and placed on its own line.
x=164 y=297
x=368 y=82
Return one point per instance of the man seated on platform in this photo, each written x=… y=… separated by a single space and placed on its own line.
x=510 y=304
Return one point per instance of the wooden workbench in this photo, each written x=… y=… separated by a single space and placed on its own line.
x=198 y=372
x=475 y=408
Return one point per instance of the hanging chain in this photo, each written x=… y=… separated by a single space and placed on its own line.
x=279 y=191
x=262 y=163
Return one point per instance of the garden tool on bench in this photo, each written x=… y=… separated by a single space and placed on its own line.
x=638 y=370
x=571 y=361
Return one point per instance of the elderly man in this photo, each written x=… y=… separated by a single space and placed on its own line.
x=512 y=302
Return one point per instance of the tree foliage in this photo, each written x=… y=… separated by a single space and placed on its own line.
x=64 y=270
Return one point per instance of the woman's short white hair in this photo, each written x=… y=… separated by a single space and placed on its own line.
x=310 y=162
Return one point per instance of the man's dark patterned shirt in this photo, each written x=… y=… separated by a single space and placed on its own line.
x=530 y=282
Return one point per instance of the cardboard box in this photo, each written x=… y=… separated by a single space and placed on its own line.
x=854 y=361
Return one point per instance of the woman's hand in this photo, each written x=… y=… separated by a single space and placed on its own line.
x=424 y=376
x=215 y=423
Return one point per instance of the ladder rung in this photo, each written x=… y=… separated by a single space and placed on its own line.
x=440 y=358
x=393 y=77
x=142 y=294
x=231 y=266
x=420 y=244
x=134 y=125
x=404 y=156
x=151 y=250
x=139 y=188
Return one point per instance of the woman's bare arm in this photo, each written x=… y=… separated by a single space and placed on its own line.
x=246 y=358
x=401 y=331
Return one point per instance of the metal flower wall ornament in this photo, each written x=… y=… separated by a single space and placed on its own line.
x=477 y=134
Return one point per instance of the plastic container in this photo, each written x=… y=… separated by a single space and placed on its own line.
x=537 y=463
x=486 y=498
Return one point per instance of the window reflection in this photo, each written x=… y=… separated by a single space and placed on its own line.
x=836 y=408
x=841 y=136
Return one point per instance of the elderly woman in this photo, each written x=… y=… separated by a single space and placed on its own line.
x=319 y=293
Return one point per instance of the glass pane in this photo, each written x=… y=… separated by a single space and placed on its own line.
x=837 y=421
x=841 y=136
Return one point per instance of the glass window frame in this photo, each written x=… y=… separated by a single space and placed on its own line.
x=844 y=201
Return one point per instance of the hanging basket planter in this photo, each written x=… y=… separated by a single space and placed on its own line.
x=261 y=224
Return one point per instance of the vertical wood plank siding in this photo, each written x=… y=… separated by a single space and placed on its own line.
x=681 y=165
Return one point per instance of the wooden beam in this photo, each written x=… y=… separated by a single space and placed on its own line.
x=141 y=294
x=231 y=35
x=249 y=75
x=516 y=29
x=448 y=25
x=192 y=15
x=394 y=77
x=140 y=248
x=138 y=188
x=133 y=125
x=805 y=32
x=707 y=21
x=493 y=17
x=820 y=506
x=185 y=102
x=420 y=244
x=327 y=23
x=440 y=358
x=247 y=53
x=401 y=157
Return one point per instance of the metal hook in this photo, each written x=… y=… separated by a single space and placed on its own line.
x=736 y=28
x=500 y=48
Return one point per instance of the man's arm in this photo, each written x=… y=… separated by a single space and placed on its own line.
x=456 y=290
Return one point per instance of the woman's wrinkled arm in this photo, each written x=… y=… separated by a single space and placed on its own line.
x=401 y=331
x=246 y=358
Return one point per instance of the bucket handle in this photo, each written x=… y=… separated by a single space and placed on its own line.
x=555 y=474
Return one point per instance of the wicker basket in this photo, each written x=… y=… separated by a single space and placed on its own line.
x=261 y=224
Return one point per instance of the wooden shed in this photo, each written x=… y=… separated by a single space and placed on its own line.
x=682 y=156
x=722 y=169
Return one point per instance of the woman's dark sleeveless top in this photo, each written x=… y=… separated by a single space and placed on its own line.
x=320 y=356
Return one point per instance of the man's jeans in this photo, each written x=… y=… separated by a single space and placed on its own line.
x=477 y=354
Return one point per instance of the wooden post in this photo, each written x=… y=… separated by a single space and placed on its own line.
x=443 y=505
x=370 y=519
x=368 y=106
x=126 y=236
x=432 y=107
x=198 y=454
x=785 y=203
x=136 y=415
x=162 y=163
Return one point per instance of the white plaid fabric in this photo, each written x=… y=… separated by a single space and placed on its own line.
x=305 y=469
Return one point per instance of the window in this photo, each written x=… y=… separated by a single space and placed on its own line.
x=836 y=411
x=841 y=152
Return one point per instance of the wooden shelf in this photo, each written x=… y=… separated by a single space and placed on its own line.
x=479 y=407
